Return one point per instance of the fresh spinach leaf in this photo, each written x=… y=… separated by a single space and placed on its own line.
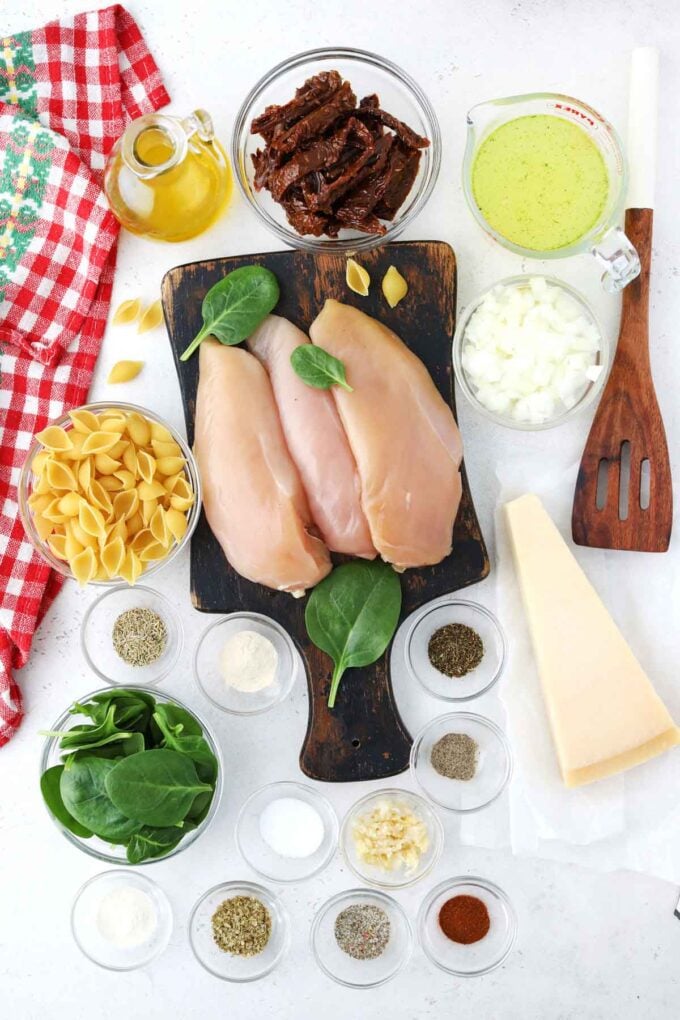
x=49 y=786
x=177 y=719
x=152 y=842
x=194 y=746
x=199 y=809
x=318 y=368
x=156 y=787
x=235 y=306
x=116 y=749
x=83 y=791
x=352 y=615
x=79 y=737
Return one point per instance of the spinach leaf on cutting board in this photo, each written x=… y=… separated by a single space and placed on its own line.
x=235 y=306
x=352 y=615
x=155 y=787
x=318 y=368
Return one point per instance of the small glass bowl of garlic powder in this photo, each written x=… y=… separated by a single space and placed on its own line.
x=529 y=353
x=245 y=663
x=121 y=920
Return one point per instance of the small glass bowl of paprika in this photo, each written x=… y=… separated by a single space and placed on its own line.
x=467 y=926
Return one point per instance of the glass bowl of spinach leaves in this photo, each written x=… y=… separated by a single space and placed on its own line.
x=130 y=775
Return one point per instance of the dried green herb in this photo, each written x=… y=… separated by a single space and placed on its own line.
x=455 y=649
x=242 y=926
x=139 y=636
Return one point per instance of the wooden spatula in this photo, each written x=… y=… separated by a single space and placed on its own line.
x=624 y=496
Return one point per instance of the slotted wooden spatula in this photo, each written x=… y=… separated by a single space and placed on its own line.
x=624 y=495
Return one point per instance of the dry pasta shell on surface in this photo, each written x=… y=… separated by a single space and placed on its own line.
x=125 y=504
x=149 y=507
x=141 y=540
x=160 y=433
x=57 y=544
x=86 y=540
x=152 y=318
x=153 y=551
x=119 y=449
x=150 y=490
x=110 y=483
x=138 y=428
x=159 y=528
x=75 y=453
x=105 y=465
x=181 y=502
x=124 y=371
x=42 y=486
x=113 y=555
x=43 y=526
x=135 y=523
x=53 y=513
x=39 y=500
x=71 y=544
x=60 y=476
x=394 y=287
x=54 y=437
x=100 y=442
x=85 y=474
x=130 y=458
x=165 y=447
x=84 y=566
x=146 y=465
x=132 y=567
x=127 y=478
x=83 y=420
x=99 y=496
x=171 y=481
x=170 y=465
x=113 y=421
x=39 y=461
x=127 y=312
x=357 y=278
x=177 y=523
x=91 y=520
x=69 y=504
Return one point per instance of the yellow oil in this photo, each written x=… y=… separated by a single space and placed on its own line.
x=176 y=203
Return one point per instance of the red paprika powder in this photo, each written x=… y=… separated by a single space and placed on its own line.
x=464 y=919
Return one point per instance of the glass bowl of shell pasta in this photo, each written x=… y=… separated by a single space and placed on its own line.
x=109 y=493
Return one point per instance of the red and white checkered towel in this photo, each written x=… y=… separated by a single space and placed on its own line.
x=66 y=93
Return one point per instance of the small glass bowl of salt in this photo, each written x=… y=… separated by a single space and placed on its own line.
x=245 y=663
x=121 y=920
x=287 y=832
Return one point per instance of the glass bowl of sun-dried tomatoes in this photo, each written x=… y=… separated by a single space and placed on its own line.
x=336 y=150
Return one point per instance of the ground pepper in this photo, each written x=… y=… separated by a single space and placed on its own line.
x=464 y=919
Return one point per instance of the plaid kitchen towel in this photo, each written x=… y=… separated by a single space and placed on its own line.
x=66 y=93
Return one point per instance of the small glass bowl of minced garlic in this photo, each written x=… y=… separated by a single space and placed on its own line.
x=132 y=636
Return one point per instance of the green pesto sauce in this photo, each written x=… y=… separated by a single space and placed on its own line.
x=540 y=182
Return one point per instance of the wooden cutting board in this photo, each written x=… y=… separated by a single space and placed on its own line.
x=364 y=736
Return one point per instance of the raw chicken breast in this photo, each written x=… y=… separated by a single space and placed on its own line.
x=402 y=434
x=316 y=440
x=252 y=493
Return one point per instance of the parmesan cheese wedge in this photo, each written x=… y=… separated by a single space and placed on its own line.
x=604 y=713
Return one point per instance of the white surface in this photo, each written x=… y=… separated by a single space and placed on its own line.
x=590 y=946
x=643 y=118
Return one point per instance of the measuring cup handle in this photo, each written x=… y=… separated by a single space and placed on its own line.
x=619 y=259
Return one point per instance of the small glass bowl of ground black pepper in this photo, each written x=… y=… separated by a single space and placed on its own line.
x=461 y=761
x=132 y=636
x=239 y=931
x=455 y=649
x=467 y=926
x=361 y=938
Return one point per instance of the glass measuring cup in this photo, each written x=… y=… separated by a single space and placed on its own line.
x=168 y=178
x=604 y=240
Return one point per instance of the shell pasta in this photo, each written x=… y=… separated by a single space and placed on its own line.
x=110 y=494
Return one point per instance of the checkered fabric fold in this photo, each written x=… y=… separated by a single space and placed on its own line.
x=66 y=93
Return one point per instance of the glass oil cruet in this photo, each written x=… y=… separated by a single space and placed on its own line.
x=606 y=241
x=168 y=178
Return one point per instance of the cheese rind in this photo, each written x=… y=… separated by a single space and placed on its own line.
x=604 y=713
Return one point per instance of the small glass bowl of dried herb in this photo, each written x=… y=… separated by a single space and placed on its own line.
x=455 y=649
x=361 y=938
x=461 y=761
x=239 y=931
x=132 y=636
x=467 y=926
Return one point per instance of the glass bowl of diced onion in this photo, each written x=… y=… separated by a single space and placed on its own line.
x=554 y=373
x=188 y=493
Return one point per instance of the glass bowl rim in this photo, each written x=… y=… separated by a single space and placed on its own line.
x=452 y=883
x=451 y=600
x=434 y=824
x=346 y=894
x=259 y=892
x=291 y=648
x=351 y=245
x=172 y=613
x=290 y=784
x=588 y=397
x=163 y=944
x=485 y=723
x=191 y=469
x=184 y=844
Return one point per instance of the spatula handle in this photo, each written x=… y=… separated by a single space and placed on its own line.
x=642 y=127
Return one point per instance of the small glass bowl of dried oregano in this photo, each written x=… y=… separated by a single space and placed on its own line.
x=455 y=649
x=239 y=931
x=132 y=636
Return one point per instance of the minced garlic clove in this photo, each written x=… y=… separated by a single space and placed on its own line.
x=124 y=371
x=152 y=317
x=127 y=312
x=357 y=278
x=394 y=287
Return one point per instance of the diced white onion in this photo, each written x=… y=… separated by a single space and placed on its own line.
x=529 y=352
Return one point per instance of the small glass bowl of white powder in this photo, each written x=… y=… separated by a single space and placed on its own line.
x=245 y=663
x=121 y=920
x=287 y=832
